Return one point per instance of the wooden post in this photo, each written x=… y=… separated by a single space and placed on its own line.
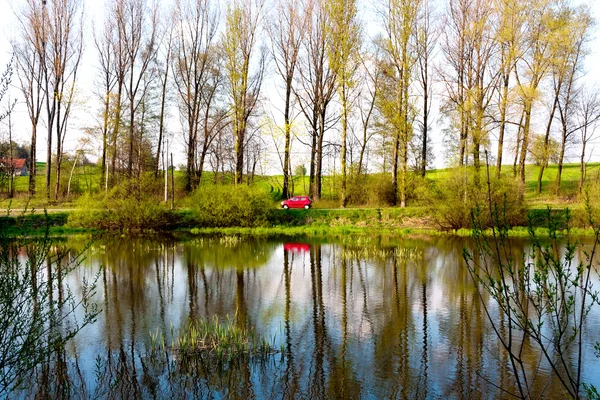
x=172 y=183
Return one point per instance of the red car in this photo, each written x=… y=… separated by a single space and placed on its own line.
x=297 y=202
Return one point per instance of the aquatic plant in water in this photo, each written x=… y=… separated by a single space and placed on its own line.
x=37 y=309
x=212 y=339
x=543 y=298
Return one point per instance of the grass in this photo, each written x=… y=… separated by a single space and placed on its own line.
x=569 y=181
x=324 y=218
x=218 y=340
x=87 y=179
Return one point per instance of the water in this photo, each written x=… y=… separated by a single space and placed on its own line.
x=369 y=317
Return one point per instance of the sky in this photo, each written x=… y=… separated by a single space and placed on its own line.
x=81 y=118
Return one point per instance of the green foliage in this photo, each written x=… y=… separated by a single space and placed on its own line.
x=227 y=206
x=371 y=190
x=300 y=170
x=35 y=323
x=221 y=341
x=541 y=154
x=458 y=194
x=542 y=297
x=131 y=205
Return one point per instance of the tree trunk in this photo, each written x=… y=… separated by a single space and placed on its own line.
x=503 y=110
x=343 y=150
x=547 y=140
x=525 y=144
x=518 y=144
x=313 y=157
x=425 y=127
x=59 y=151
x=105 y=137
x=561 y=158
x=32 y=158
x=113 y=163
x=582 y=167
x=287 y=129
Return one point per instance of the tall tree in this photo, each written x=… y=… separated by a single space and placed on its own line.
x=399 y=20
x=139 y=36
x=470 y=80
x=574 y=50
x=567 y=35
x=286 y=33
x=316 y=89
x=116 y=17
x=63 y=51
x=532 y=69
x=343 y=52
x=369 y=86
x=588 y=117
x=29 y=53
x=509 y=37
x=426 y=38
x=244 y=72
x=104 y=43
x=197 y=79
x=163 y=75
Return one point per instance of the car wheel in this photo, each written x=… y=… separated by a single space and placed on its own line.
x=285 y=207
x=307 y=206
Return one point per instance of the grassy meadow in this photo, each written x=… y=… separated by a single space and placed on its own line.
x=439 y=201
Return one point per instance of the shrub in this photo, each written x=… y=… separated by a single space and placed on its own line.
x=227 y=206
x=35 y=324
x=542 y=298
x=455 y=198
x=130 y=205
x=372 y=190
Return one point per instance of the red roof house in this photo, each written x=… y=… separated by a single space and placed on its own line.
x=18 y=167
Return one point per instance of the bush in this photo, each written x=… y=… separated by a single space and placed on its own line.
x=35 y=324
x=131 y=205
x=371 y=190
x=455 y=198
x=227 y=206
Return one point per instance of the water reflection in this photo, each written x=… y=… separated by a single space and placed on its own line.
x=369 y=317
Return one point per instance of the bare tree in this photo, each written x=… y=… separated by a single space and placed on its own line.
x=286 y=33
x=139 y=36
x=369 y=87
x=116 y=18
x=399 y=19
x=426 y=37
x=316 y=89
x=343 y=53
x=574 y=42
x=104 y=44
x=64 y=50
x=588 y=117
x=54 y=33
x=509 y=37
x=163 y=76
x=532 y=69
x=244 y=73
x=470 y=48
x=29 y=61
x=197 y=79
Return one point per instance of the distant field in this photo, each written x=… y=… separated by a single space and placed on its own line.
x=87 y=179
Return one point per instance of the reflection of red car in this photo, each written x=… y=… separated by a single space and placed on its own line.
x=296 y=247
x=297 y=202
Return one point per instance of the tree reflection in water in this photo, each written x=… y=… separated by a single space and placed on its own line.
x=367 y=317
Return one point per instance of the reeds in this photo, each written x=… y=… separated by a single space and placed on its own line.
x=223 y=340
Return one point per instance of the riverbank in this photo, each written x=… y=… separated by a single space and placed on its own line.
x=292 y=223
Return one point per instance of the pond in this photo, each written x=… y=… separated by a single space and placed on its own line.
x=364 y=317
